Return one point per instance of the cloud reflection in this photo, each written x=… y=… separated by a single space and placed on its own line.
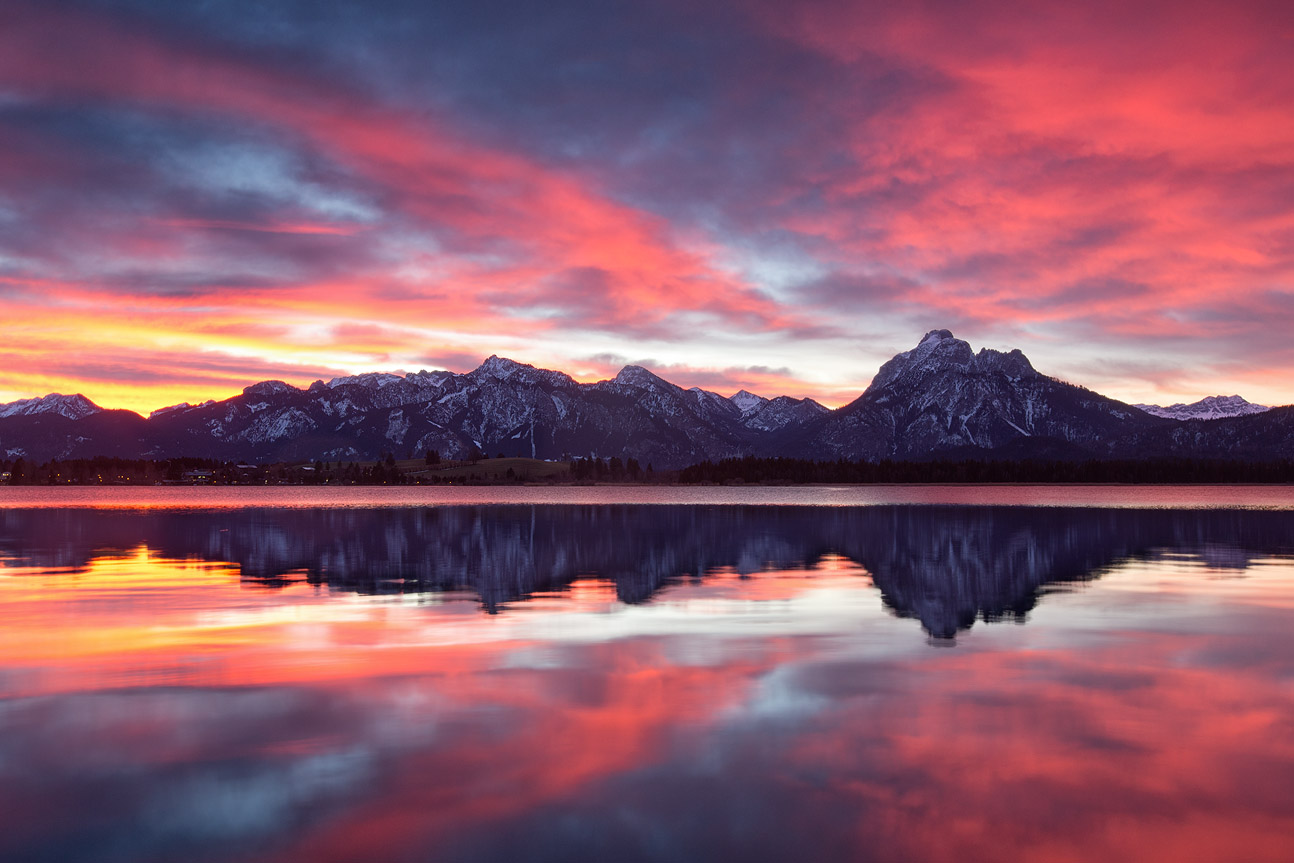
x=320 y=685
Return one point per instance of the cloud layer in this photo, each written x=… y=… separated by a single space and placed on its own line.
x=756 y=194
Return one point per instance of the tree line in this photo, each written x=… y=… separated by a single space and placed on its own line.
x=1141 y=471
x=106 y=470
x=752 y=470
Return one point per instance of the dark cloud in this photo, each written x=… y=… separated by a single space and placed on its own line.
x=850 y=291
x=157 y=367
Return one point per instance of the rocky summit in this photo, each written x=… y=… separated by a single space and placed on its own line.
x=942 y=397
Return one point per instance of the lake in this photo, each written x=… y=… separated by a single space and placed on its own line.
x=888 y=673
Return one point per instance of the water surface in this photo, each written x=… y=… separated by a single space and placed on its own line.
x=368 y=677
x=1023 y=494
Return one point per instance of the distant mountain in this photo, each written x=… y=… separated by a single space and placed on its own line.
x=938 y=400
x=1255 y=437
x=72 y=407
x=1209 y=408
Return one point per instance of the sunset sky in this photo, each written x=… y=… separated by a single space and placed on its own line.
x=769 y=194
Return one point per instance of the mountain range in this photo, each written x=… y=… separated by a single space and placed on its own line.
x=939 y=399
x=1210 y=408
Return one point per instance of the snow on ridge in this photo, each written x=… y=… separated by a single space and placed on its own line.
x=782 y=411
x=73 y=407
x=269 y=388
x=930 y=342
x=637 y=376
x=368 y=379
x=1207 y=408
x=428 y=379
x=746 y=401
x=169 y=409
x=499 y=367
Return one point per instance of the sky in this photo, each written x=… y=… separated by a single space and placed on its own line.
x=775 y=196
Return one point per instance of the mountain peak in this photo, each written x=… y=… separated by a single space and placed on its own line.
x=73 y=407
x=938 y=350
x=367 y=379
x=637 y=376
x=1013 y=363
x=936 y=340
x=746 y=401
x=269 y=388
x=182 y=406
x=503 y=369
x=937 y=336
x=499 y=367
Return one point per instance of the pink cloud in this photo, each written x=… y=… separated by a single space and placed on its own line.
x=511 y=229
x=1063 y=145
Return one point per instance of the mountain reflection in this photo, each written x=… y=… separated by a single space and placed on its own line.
x=944 y=566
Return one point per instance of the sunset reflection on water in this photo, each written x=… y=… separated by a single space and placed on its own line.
x=759 y=685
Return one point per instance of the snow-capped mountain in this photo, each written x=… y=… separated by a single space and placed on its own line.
x=181 y=406
x=747 y=401
x=942 y=397
x=781 y=413
x=1209 y=408
x=500 y=407
x=939 y=399
x=766 y=415
x=73 y=407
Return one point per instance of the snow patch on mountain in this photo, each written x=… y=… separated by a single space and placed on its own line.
x=74 y=407
x=499 y=367
x=941 y=353
x=397 y=426
x=277 y=426
x=783 y=411
x=637 y=376
x=708 y=402
x=429 y=380
x=182 y=406
x=1208 y=408
x=372 y=380
x=747 y=401
x=270 y=388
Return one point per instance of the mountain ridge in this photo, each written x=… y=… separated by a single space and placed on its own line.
x=938 y=399
x=1207 y=408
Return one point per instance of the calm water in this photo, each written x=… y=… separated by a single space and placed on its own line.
x=897 y=673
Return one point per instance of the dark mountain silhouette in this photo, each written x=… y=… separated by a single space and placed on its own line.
x=502 y=406
x=943 y=398
x=940 y=399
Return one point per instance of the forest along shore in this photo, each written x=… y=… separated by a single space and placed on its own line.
x=431 y=470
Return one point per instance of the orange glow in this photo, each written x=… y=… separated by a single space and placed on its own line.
x=1046 y=176
x=559 y=228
